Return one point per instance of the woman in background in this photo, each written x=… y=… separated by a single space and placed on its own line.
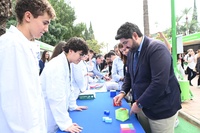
x=58 y=49
x=45 y=58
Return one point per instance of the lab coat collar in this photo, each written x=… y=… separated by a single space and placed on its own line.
x=13 y=29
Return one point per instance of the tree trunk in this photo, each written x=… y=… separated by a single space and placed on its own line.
x=5 y=13
x=146 y=17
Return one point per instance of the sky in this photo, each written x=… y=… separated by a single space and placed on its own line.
x=107 y=16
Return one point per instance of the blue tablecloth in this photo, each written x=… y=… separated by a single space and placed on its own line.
x=91 y=119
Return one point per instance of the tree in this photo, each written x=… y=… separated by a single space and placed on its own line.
x=5 y=13
x=146 y=17
x=56 y=33
x=194 y=23
x=93 y=44
x=178 y=26
x=86 y=34
x=63 y=28
x=91 y=32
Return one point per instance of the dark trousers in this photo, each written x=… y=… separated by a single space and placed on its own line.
x=191 y=74
x=198 y=81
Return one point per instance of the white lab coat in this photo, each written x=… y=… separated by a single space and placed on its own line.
x=55 y=81
x=21 y=102
x=79 y=77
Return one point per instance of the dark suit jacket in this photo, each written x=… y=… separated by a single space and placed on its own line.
x=154 y=83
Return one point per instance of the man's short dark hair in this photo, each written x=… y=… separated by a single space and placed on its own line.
x=126 y=31
x=99 y=56
x=110 y=54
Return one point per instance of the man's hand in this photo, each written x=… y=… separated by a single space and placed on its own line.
x=135 y=108
x=117 y=99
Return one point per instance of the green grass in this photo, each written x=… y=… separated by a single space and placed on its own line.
x=186 y=127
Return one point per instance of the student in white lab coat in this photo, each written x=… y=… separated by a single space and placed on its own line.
x=22 y=107
x=56 y=85
x=79 y=77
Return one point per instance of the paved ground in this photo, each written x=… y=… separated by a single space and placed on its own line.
x=191 y=108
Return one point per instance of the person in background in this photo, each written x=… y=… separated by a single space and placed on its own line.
x=103 y=65
x=22 y=107
x=44 y=60
x=108 y=65
x=191 y=60
x=117 y=67
x=91 y=55
x=123 y=55
x=150 y=74
x=198 y=67
x=56 y=86
x=80 y=77
x=180 y=68
x=96 y=70
x=116 y=50
x=162 y=36
x=58 y=49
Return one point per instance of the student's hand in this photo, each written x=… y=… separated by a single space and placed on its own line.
x=135 y=109
x=107 y=74
x=121 y=79
x=90 y=74
x=74 y=128
x=117 y=99
x=80 y=108
x=106 y=78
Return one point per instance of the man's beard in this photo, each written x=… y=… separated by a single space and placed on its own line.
x=135 y=47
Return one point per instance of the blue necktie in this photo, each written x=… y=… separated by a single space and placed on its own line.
x=135 y=60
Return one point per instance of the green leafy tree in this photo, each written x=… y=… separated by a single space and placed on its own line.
x=91 y=32
x=63 y=28
x=55 y=34
x=194 y=23
x=186 y=12
x=93 y=44
x=12 y=20
x=90 y=39
x=86 y=34
x=178 y=26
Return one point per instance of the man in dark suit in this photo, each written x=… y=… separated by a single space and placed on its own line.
x=150 y=74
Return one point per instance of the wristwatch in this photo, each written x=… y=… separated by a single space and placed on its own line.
x=139 y=105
